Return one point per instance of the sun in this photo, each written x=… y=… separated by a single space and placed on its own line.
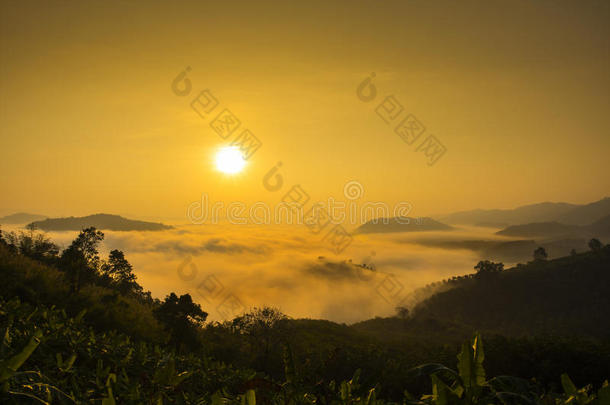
x=230 y=160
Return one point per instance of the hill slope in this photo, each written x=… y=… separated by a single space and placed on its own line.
x=21 y=218
x=586 y=214
x=563 y=296
x=541 y=212
x=99 y=221
x=564 y=213
x=546 y=229
x=387 y=225
x=598 y=229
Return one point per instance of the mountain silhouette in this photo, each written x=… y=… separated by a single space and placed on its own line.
x=586 y=214
x=599 y=229
x=394 y=224
x=545 y=229
x=21 y=218
x=563 y=213
x=99 y=221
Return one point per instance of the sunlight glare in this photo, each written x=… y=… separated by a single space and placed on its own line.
x=230 y=160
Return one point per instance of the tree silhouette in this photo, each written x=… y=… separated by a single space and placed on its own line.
x=81 y=259
x=264 y=328
x=121 y=272
x=540 y=254
x=402 y=312
x=486 y=266
x=595 y=245
x=34 y=245
x=182 y=318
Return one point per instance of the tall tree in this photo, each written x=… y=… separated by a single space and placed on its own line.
x=595 y=245
x=2 y=241
x=81 y=259
x=182 y=318
x=540 y=254
x=121 y=272
x=265 y=329
x=87 y=243
x=486 y=266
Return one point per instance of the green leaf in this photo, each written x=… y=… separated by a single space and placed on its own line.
x=355 y=378
x=217 y=399
x=68 y=364
x=603 y=394
x=371 y=398
x=249 y=398
x=344 y=391
x=289 y=367
x=442 y=394
x=8 y=367
x=479 y=356
x=470 y=363
x=110 y=400
x=568 y=386
x=80 y=315
x=432 y=368
x=6 y=340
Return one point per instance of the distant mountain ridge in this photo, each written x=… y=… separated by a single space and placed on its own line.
x=546 y=229
x=21 y=218
x=599 y=228
x=586 y=214
x=99 y=221
x=394 y=224
x=563 y=213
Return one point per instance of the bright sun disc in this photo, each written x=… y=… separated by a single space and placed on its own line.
x=230 y=160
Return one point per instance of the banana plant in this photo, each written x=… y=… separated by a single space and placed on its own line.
x=468 y=386
x=575 y=396
x=9 y=367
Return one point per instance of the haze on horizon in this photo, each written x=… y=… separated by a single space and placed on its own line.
x=518 y=93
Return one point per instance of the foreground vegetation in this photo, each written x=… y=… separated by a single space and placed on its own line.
x=77 y=328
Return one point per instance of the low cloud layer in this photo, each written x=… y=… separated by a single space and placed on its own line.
x=231 y=268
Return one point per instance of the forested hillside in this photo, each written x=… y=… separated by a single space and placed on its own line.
x=566 y=296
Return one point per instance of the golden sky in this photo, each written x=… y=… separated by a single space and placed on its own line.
x=518 y=92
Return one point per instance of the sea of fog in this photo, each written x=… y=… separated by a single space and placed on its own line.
x=232 y=268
